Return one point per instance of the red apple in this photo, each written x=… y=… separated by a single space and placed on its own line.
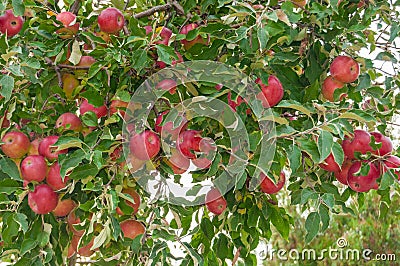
x=10 y=24
x=387 y=146
x=47 y=150
x=34 y=168
x=43 y=199
x=360 y=142
x=16 y=144
x=272 y=93
x=73 y=220
x=86 y=107
x=64 y=207
x=111 y=20
x=330 y=164
x=219 y=86
x=118 y=106
x=329 y=86
x=363 y=183
x=145 y=146
x=132 y=228
x=161 y=64
x=188 y=141
x=71 y=27
x=392 y=162
x=135 y=164
x=34 y=148
x=345 y=69
x=54 y=179
x=207 y=148
x=267 y=186
x=188 y=44
x=234 y=104
x=148 y=29
x=168 y=128
x=136 y=198
x=165 y=35
x=342 y=174
x=69 y=121
x=167 y=85
x=178 y=162
x=86 y=250
x=215 y=202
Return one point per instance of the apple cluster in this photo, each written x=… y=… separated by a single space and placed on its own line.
x=343 y=69
x=367 y=158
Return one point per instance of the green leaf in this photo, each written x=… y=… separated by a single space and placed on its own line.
x=207 y=228
x=93 y=97
x=65 y=142
x=139 y=59
x=358 y=115
x=165 y=53
x=90 y=119
x=338 y=153
x=329 y=200
x=76 y=54
x=294 y=156
x=27 y=245
x=325 y=218
x=325 y=143
x=262 y=35
x=9 y=186
x=18 y=7
x=70 y=161
x=312 y=226
x=282 y=225
x=296 y=106
x=22 y=220
x=387 y=180
x=9 y=167
x=84 y=171
x=101 y=238
x=307 y=194
x=221 y=246
x=310 y=147
x=7 y=86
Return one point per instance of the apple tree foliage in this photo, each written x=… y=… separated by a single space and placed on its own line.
x=294 y=43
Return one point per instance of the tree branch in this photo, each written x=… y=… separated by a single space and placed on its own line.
x=75 y=7
x=56 y=69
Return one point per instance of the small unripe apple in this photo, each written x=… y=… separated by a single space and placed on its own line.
x=71 y=27
x=387 y=146
x=16 y=144
x=345 y=69
x=145 y=146
x=69 y=84
x=215 y=202
x=272 y=93
x=136 y=198
x=361 y=183
x=10 y=24
x=329 y=86
x=132 y=228
x=111 y=20
x=54 y=179
x=267 y=186
x=64 y=207
x=43 y=199
x=47 y=150
x=86 y=107
x=69 y=121
x=34 y=168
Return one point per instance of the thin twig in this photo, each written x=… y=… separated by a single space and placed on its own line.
x=56 y=69
x=75 y=7
x=236 y=257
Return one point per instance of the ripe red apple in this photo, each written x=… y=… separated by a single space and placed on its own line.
x=86 y=60
x=167 y=85
x=145 y=146
x=34 y=148
x=118 y=106
x=360 y=142
x=215 y=202
x=165 y=35
x=392 y=162
x=69 y=121
x=363 y=183
x=54 y=179
x=73 y=220
x=64 y=207
x=219 y=86
x=161 y=64
x=329 y=86
x=188 y=141
x=207 y=148
x=132 y=228
x=34 y=168
x=6 y=122
x=47 y=150
x=10 y=24
x=345 y=69
x=136 y=198
x=43 y=199
x=69 y=84
x=86 y=107
x=342 y=174
x=267 y=186
x=111 y=20
x=135 y=164
x=86 y=251
x=387 y=146
x=330 y=164
x=234 y=104
x=178 y=162
x=71 y=27
x=188 y=44
x=272 y=93
x=148 y=29
x=16 y=144
x=168 y=128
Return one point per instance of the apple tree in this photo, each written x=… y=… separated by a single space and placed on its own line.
x=133 y=129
